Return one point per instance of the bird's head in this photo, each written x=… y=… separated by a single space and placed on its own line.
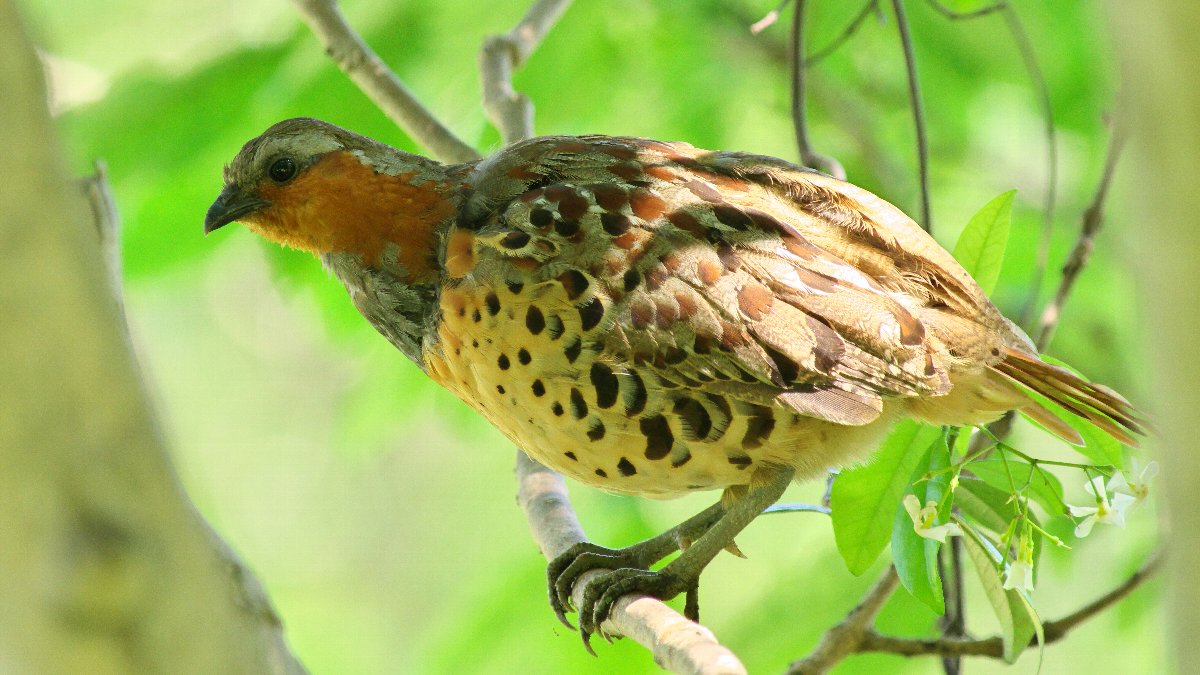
x=316 y=187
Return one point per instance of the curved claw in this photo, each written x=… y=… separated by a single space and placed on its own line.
x=602 y=592
x=560 y=602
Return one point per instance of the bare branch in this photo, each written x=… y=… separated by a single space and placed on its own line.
x=994 y=646
x=510 y=110
x=845 y=638
x=679 y=645
x=1093 y=219
x=870 y=7
x=364 y=67
x=808 y=157
x=918 y=112
x=951 y=14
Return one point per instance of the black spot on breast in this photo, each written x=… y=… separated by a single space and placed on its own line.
x=570 y=455
x=523 y=356
x=557 y=409
x=631 y=280
x=602 y=473
x=541 y=218
x=696 y=422
x=538 y=388
x=606 y=385
x=574 y=283
x=493 y=304
x=590 y=313
x=595 y=430
x=579 y=408
x=515 y=240
x=500 y=388
x=626 y=467
x=503 y=362
x=476 y=316
x=681 y=460
x=614 y=223
x=515 y=287
x=554 y=327
x=635 y=394
x=659 y=438
x=535 y=321
x=741 y=462
x=758 y=429
x=571 y=351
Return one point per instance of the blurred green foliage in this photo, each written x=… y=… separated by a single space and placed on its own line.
x=378 y=510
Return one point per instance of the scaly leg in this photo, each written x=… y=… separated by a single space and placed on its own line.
x=681 y=575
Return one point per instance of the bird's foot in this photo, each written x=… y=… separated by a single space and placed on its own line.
x=603 y=591
x=566 y=569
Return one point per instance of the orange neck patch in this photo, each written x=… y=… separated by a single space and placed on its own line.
x=340 y=204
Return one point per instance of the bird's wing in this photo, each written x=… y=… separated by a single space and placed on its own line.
x=733 y=274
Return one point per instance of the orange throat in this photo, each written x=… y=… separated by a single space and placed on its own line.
x=341 y=205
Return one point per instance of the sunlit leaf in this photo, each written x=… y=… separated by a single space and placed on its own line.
x=1018 y=622
x=980 y=247
x=865 y=499
x=1013 y=475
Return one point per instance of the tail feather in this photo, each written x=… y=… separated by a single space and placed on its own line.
x=1098 y=404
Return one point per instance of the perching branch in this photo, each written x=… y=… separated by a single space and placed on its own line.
x=1093 y=219
x=678 y=645
x=808 y=157
x=364 y=67
x=918 y=113
x=508 y=109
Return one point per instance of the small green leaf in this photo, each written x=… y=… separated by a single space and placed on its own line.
x=1018 y=621
x=980 y=247
x=985 y=505
x=864 y=499
x=1016 y=476
x=916 y=557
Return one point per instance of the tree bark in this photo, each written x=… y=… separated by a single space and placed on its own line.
x=1160 y=101
x=106 y=566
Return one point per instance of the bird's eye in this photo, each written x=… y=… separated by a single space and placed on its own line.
x=282 y=170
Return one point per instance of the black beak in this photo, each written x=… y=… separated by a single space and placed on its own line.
x=231 y=205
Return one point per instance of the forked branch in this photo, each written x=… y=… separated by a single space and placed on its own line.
x=364 y=67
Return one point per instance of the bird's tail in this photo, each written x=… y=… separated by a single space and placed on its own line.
x=1094 y=402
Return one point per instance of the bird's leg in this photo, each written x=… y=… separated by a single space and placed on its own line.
x=682 y=574
x=565 y=569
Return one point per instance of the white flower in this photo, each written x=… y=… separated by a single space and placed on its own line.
x=1111 y=512
x=1019 y=573
x=923 y=519
x=1139 y=489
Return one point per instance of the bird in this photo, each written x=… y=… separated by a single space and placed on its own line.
x=654 y=319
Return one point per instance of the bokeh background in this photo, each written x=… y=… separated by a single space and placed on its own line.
x=377 y=509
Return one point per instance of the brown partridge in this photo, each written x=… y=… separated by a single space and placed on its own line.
x=651 y=318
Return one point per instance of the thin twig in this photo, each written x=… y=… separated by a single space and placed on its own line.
x=871 y=6
x=364 y=67
x=952 y=14
x=954 y=622
x=1021 y=38
x=510 y=110
x=994 y=646
x=844 y=639
x=679 y=645
x=1093 y=219
x=918 y=112
x=808 y=157
x=1016 y=29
